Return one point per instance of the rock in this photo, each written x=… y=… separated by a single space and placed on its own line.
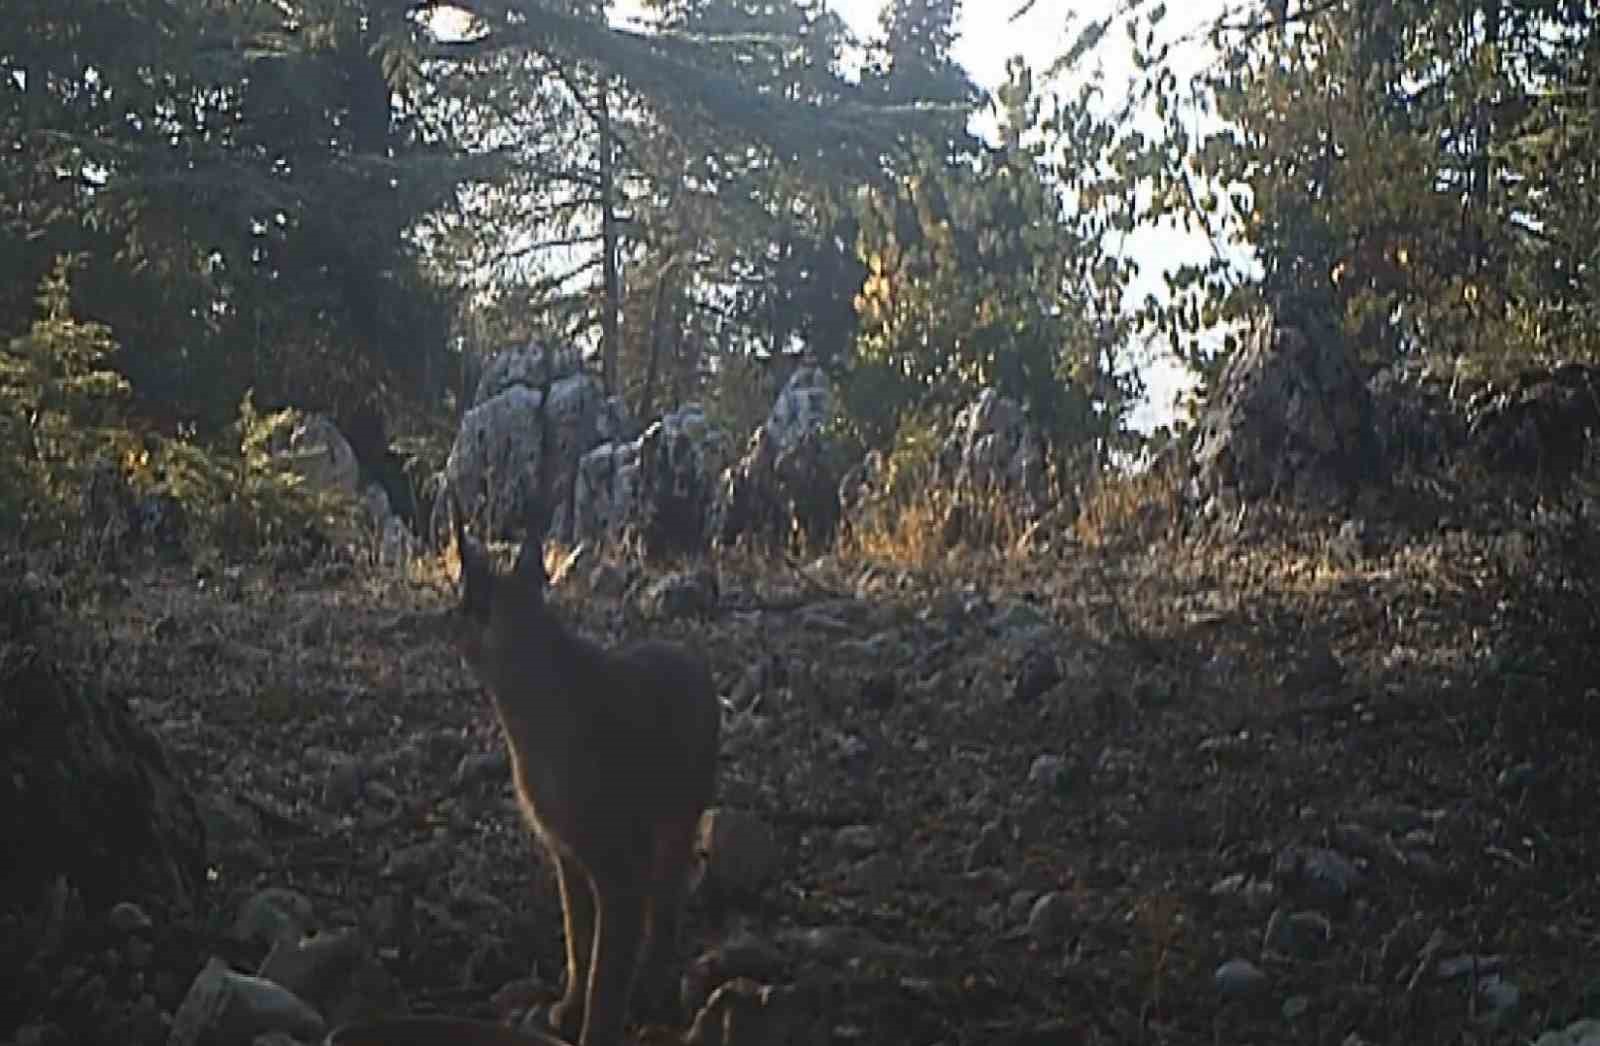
x=1050 y=917
x=1502 y=997
x=530 y=365
x=661 y=484
x=856 y=840
x=1301 y=935
x=681 y=594
x=741 y=851
x=275 y=914
x=1047 y=771
x=1237 y=978
x=992 y=449
x=127 y=917
x=1038 y=672
x=1290 y=418
x=804 y=405
x=497 y=453
x=397 y=545
x=606 y=496
x=741 y=954
x=1585 y=1032
x=225 y=1006
x=680 y=458
x=784 y=484
x=1018 y=619
x=477 y=767
x=312 y=447
x=1317 y=876
x=1517 y=779
x=864 y=489
x=315 y=968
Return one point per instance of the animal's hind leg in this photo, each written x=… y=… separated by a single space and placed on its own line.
x=619 y=924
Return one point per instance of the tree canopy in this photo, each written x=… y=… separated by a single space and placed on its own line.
x=341 y=204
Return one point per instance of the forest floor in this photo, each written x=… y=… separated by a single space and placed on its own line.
x=1032 y=799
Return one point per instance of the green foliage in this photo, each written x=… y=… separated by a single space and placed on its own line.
x=241 y=500
x=64 y=414
x=242 y=190
x=979 y=274
x=61 y=409
x=1424 y=172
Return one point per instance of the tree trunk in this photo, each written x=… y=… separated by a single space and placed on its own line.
x=610 y=322
x=660 y=310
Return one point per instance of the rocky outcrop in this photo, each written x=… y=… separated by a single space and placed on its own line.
x=783 y=485
x=1290 y=418
x=992 y=457
x=659 y=485
x=531 y=400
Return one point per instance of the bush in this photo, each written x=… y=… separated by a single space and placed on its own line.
x=61 y=411
x=65 y=431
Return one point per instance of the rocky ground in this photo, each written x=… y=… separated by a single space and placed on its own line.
x=1283 y=782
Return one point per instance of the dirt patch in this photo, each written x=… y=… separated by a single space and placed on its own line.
x=1053 y=794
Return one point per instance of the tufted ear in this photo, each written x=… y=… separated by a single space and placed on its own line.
x=477 y=577
x=530 y=560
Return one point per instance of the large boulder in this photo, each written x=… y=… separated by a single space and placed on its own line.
x=311 y=446
x=660 y=485
x=496 y=463
x=1290 y=418
x=784 y=485
x=994 y=449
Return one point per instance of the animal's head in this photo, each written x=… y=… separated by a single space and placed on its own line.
x=489 y=594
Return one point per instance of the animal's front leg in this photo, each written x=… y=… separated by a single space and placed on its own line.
x=619 y=924
x=578 y=912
